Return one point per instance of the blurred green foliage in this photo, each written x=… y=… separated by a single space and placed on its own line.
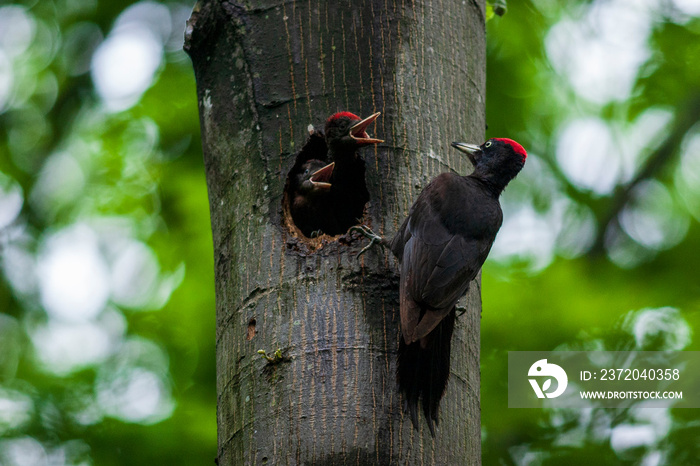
x=602 y=252
x=106 y=283
x=107 y=273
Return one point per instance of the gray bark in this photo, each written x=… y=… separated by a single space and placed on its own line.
x=265 y=70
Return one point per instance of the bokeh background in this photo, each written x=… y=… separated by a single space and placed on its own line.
x=106 y=269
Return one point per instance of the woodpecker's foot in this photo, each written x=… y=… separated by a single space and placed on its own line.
x=366 y=232
x=316 y=234
x=276 y=357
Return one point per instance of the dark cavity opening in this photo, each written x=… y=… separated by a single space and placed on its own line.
x=251 y=329
x=320 y=199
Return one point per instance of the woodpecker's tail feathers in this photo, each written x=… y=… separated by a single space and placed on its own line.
x=423 y=371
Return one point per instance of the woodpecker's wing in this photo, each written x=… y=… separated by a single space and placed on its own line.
x=442 y=252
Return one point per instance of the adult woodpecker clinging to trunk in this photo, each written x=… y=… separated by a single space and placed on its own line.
x=441 y=246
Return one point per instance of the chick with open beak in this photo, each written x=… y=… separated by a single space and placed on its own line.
x=310 y=198
x=346 y=131
x=345 y=134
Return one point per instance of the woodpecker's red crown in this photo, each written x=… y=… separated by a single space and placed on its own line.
x=339 y=115
x=517 y=148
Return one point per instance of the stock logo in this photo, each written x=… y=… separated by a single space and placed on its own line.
x=541 y=369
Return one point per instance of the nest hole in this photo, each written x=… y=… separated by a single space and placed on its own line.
x=314 y=206
x=251 y=329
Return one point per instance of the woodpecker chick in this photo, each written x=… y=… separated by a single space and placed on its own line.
x=310 y=197
x=345 y=134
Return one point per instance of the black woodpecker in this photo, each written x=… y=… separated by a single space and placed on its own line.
x=441 y=246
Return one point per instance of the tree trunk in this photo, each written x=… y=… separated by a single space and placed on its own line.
x=265 y=70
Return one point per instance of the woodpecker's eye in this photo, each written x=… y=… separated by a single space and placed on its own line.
x=488 y=144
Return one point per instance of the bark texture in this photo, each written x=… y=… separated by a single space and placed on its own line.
x=265 y=70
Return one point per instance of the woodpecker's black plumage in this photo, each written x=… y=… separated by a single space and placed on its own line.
x=310 y=197
x=441 y=245
x=345 y=134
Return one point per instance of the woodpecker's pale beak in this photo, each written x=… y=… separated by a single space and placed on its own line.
x=472 y=150
x=320 y=177
x=358 y=133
